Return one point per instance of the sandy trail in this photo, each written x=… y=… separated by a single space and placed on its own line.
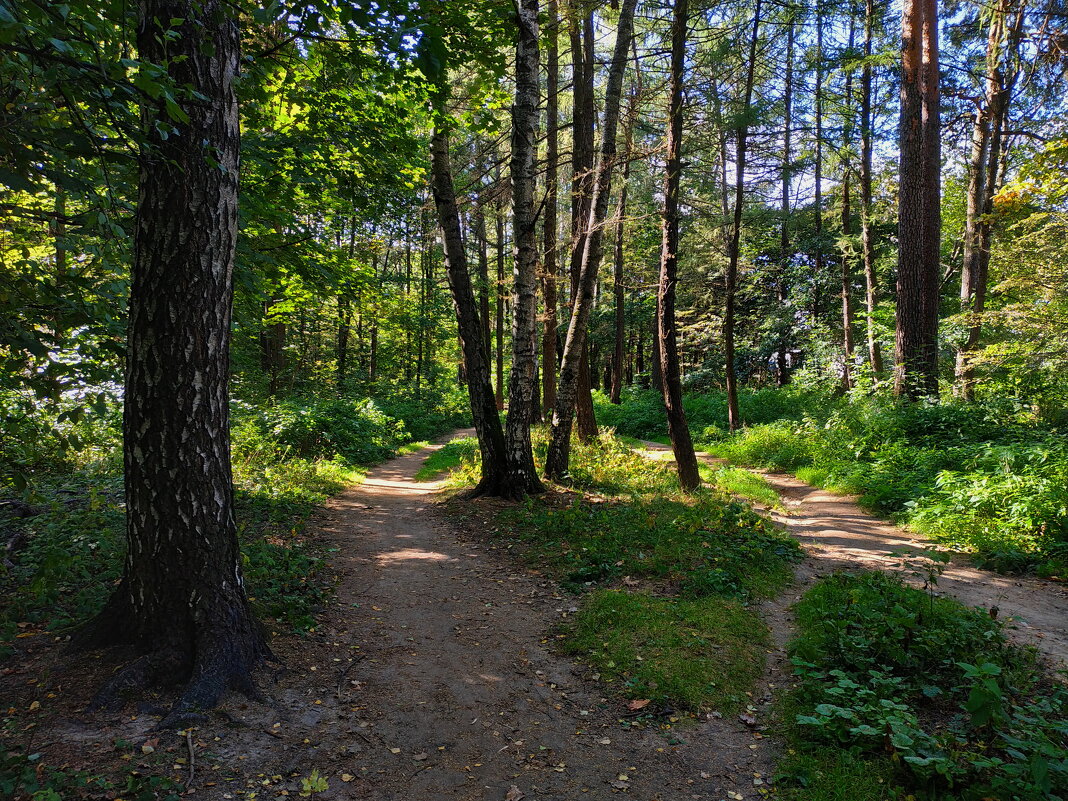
x=839 y=535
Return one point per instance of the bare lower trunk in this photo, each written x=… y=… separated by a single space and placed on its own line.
x=781 y=374
x=181 y=601
x=919 y=215
x=522 y=386
x=678 y=430
x=484 y=413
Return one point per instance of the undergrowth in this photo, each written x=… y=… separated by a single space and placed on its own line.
x=990 y=476
x=923 y=692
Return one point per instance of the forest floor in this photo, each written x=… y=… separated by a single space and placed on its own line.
x=433 y=675
x=837 y=534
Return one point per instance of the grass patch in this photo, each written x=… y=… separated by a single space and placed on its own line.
x=687 y=639
x=693 y=654
x=925 y=690
x=742 y=483
x=447 y=458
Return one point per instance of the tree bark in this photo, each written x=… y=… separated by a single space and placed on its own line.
x=181 y=601
x=483 y=273
x=574 y=367
x=847 y=226
x=500 y=296
x=742 y=134
x=782 y=377
x=867 y=245
x=551 y=261
x=817 y=300
x=619 y=322
x=522 y=386
x=919 y=213
x=494 y=480
x=582 y=183
x=678 y=430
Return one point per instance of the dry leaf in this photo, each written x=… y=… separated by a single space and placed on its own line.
x=638 y=703
x=419 y=757
x=394 y=750
x=514 y=794
x=347 y=777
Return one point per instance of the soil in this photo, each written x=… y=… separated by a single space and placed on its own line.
x=431 y=676
x=838 y=535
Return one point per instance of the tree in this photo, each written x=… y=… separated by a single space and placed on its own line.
x=522 y=386
x=867 y=244
x=181 y=602
x=919 y=212
x=741 y=137
x=494 y=479
x=679 y=431
x=551 y=259
x=572 y=366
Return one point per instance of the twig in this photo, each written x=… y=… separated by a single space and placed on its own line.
x=345 y=670
x=192 y=758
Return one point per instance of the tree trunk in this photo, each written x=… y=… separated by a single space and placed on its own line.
x=582 y=181
x=181 y=601
x=866 y=243
x=742 y=134
x=575 y=365
x=551 y=262
x=781 y=375
x=616 y=386
x=817 y=285
x=847 y=227
x=678 y=430
x=522 y=386
x=487 y=421
x=500 y=298
x=483 y=274
x=919 y=215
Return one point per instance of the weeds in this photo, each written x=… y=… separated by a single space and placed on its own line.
x=926 y=690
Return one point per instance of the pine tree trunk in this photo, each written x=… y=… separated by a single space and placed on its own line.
x=847 y=227
x=575 y=364
x=919 y=214
x=678 y=430
x=817 y=284
x=494 y=480
x=781 y=375
x=742 y=134
x=181 y=601
x=522 y=386
x=866 y=243
x=483 y=274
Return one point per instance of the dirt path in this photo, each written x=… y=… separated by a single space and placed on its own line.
x=431 y=677
x=839 y=535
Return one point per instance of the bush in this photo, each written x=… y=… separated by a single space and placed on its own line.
x=892 y=673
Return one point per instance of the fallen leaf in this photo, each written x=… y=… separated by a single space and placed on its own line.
x=638 y=703
x=347 y=777
x=747 y=719
x=419 y=757
x=605 y=741
x=394 y=750
x=514 y=794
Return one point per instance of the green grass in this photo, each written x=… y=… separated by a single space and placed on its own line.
x=742 y=483
x=662 y=575
x=691 y=654
x=923 y=692
x=447 y=458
